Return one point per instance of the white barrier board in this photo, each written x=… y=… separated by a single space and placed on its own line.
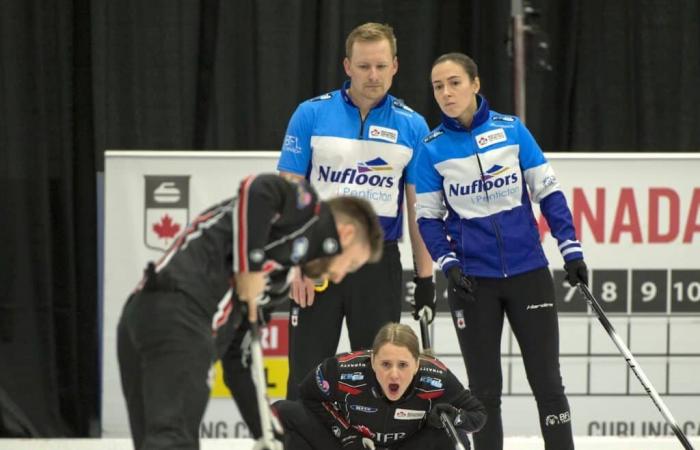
x=639 y=222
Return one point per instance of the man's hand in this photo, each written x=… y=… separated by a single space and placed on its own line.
x=424 y=296
x=576 y=272
x=460 y=285
x=249 y=287
x=302 y=289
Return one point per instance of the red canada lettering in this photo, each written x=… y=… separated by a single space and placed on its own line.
x=581 y=209
x=655 y=196
x=626 y=207
x=692 y=225
x=662 y=203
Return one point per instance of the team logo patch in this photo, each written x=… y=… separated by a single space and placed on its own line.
x=364 y=409
x=433 y=135
x=490 y=137
x=375 y=165
x=256 y=255
x=384 y=134
x=495 y=171
x=291 y=144
x=549 y=180
x=304 y=197
x=496 y=177
x=459 y=319
x=408 y=414
x=371 y=174
x=299 y=248
x=321 y=382
x=330 y=246
x=167 y=199
x=355 y=376
x=540 y=306
x=294 y=316
x=433 y=382
x=551 y=420
x=327 y=96
x=399 y=103
x=557 y=419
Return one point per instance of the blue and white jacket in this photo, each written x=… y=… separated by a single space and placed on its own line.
x=473 y=206
x=340 y=154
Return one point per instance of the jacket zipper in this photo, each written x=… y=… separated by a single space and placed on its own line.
x=362 y=124
x=496 y=229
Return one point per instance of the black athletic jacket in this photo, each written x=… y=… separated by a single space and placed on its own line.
x=273 y=224
x=346 y=396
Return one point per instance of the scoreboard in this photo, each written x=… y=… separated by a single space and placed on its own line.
x=636 y=291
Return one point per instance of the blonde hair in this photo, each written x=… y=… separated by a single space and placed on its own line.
x=370 y=32
x=398 y=334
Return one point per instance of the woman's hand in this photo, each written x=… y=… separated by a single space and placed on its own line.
x=358 y=443
x=460 y=285
x=453 y=413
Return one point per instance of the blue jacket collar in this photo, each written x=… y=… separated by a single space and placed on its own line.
x=480 y=116
x=348 y=100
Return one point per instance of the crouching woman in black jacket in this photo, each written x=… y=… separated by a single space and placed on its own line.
x=390 y=397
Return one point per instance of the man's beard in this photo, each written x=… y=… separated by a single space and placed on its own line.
x=316 y=267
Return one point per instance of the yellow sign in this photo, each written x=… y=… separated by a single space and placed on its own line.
x=276 y=372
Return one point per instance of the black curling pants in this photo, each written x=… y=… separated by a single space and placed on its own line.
x=528 y=302
x=367 y=299
x=234 y=348
x=165 y=350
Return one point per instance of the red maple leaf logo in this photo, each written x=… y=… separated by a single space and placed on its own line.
x=166 y=228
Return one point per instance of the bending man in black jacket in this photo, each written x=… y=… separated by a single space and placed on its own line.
x=167 y=332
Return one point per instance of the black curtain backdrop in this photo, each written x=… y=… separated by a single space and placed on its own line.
x=48 y=341
x=81 y=76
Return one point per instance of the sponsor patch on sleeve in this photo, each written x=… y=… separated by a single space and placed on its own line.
x=322 y=97
x=291 y=144
x=431 y=381
x=321 y=382
x=399 y=103
x=433 y=135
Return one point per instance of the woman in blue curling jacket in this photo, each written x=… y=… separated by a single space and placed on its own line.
x=476 y=175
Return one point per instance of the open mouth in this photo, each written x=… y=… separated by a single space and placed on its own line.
x=394 y=388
